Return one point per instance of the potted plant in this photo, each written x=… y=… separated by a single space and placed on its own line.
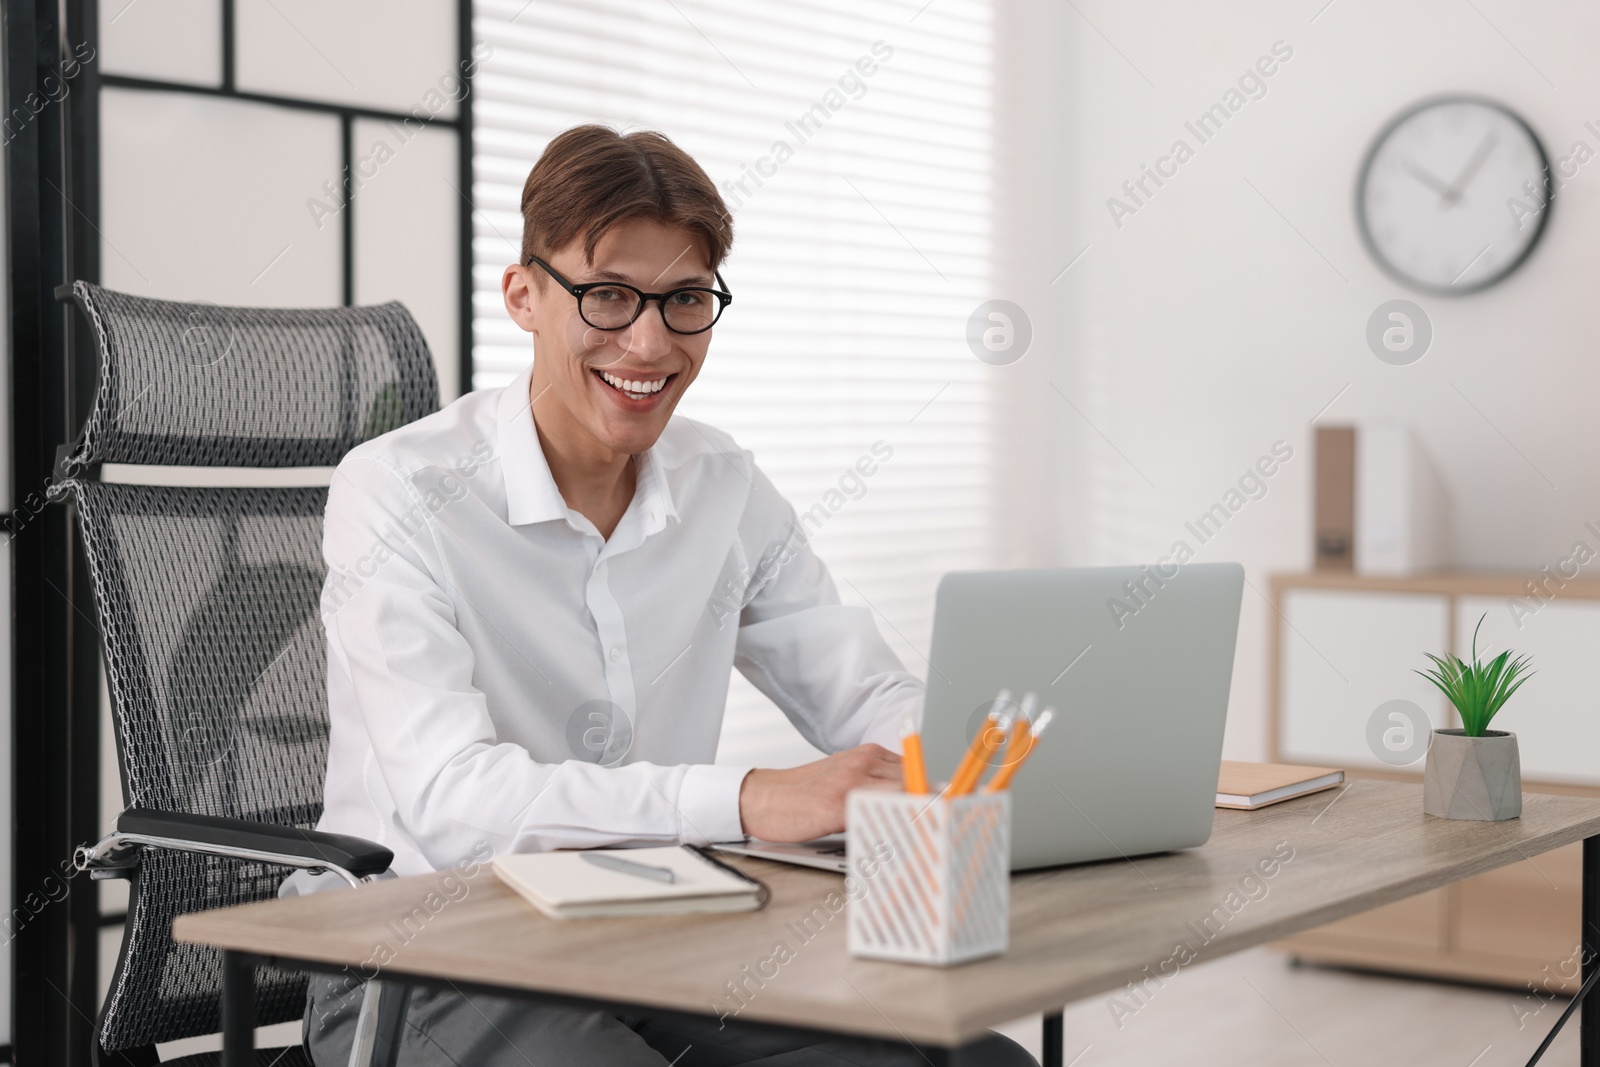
x=1475 y=772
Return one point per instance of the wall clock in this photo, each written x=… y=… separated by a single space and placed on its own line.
x=1453 y=195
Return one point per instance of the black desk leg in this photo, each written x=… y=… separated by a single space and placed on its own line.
x=1589 y=1017
x=1052 y=1047
x=1586 y=1002
x=238 y=1010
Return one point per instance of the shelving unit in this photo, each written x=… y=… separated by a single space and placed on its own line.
x=1343 y=645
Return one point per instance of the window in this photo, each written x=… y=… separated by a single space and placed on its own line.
x=851 y=141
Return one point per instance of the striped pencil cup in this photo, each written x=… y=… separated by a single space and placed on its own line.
x=932 y=876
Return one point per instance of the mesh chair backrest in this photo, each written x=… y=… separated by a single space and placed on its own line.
x=207 y=598
x=196 y=385
x=207 y=605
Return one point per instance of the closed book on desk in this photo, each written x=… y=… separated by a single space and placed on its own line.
x=564 y=885
x=1247 y=786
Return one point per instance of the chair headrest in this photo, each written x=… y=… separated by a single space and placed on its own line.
x=198 y=385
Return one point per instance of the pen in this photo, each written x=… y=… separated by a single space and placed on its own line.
x=638 y=870
x=913 y=772
x=1002 y=778
x=989 y=737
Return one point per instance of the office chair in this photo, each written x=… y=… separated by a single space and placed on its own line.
x=206 y=596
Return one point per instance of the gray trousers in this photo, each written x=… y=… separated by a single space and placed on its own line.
x=444 y=1027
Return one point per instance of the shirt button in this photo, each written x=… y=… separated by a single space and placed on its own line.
x=616 y=654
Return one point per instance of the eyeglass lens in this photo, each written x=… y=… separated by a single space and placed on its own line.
x=610 y=307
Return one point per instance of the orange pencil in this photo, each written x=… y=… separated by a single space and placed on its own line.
x=990 y=736
x=1017 y=747
x=1002 y=778
x=913 y=772
x=1019 y=731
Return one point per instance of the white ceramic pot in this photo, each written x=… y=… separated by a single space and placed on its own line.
x=1473 y=777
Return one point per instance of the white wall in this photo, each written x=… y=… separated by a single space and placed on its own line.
x=1206 y=327
x=232 y=227
x=212 y=198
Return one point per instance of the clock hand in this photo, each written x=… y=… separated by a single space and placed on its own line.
x=1479 y=154
x=1436 y=184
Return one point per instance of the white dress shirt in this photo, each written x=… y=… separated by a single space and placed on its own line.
x=500 y=674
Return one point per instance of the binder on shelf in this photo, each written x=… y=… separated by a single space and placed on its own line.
x=1379 y=504
x=1401 y=514
x=1334 y=507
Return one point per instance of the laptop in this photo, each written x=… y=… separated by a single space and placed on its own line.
x=1137 y=663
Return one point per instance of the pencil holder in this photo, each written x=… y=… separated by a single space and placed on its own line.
x=932 y=875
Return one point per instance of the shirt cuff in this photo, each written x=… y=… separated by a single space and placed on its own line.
x=708 y=804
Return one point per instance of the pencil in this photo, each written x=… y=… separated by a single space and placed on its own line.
x=1019 y=734
x=913 y=772
x=1002 y=778
x=991 y=734
x=1017 y=747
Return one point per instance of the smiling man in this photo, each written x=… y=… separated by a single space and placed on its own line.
x=529 y=638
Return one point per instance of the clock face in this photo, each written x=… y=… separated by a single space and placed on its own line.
x=1454 y=195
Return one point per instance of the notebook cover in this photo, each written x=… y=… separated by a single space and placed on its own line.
x=563 y=882
x=1255 y=779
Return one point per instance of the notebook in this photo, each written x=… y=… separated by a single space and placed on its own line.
x=1247 y=786
x=564 y=885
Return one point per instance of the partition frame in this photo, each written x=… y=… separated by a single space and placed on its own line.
x=53 y=237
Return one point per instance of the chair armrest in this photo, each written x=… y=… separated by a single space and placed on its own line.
x=352 y=857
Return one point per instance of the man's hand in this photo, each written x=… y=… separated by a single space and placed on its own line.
x=808 y=801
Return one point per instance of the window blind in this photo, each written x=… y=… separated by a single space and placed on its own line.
x=851 y=141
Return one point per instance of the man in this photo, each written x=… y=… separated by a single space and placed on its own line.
x=535 y=597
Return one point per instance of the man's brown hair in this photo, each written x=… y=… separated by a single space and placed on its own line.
x=591 y=177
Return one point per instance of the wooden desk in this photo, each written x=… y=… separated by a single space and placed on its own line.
x=1075 y=932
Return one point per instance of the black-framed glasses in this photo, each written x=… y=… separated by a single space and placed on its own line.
x=616 y=305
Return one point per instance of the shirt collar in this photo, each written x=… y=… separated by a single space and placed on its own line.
x=531 y=493
x=654 y=493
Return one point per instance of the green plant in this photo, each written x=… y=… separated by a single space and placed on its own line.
x=1477 y=689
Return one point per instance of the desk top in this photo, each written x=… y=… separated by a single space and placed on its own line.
x=1075 y=931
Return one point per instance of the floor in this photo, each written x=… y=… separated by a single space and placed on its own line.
x=1256 y=1010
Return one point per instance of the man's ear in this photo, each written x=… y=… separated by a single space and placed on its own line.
x=520 y=296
